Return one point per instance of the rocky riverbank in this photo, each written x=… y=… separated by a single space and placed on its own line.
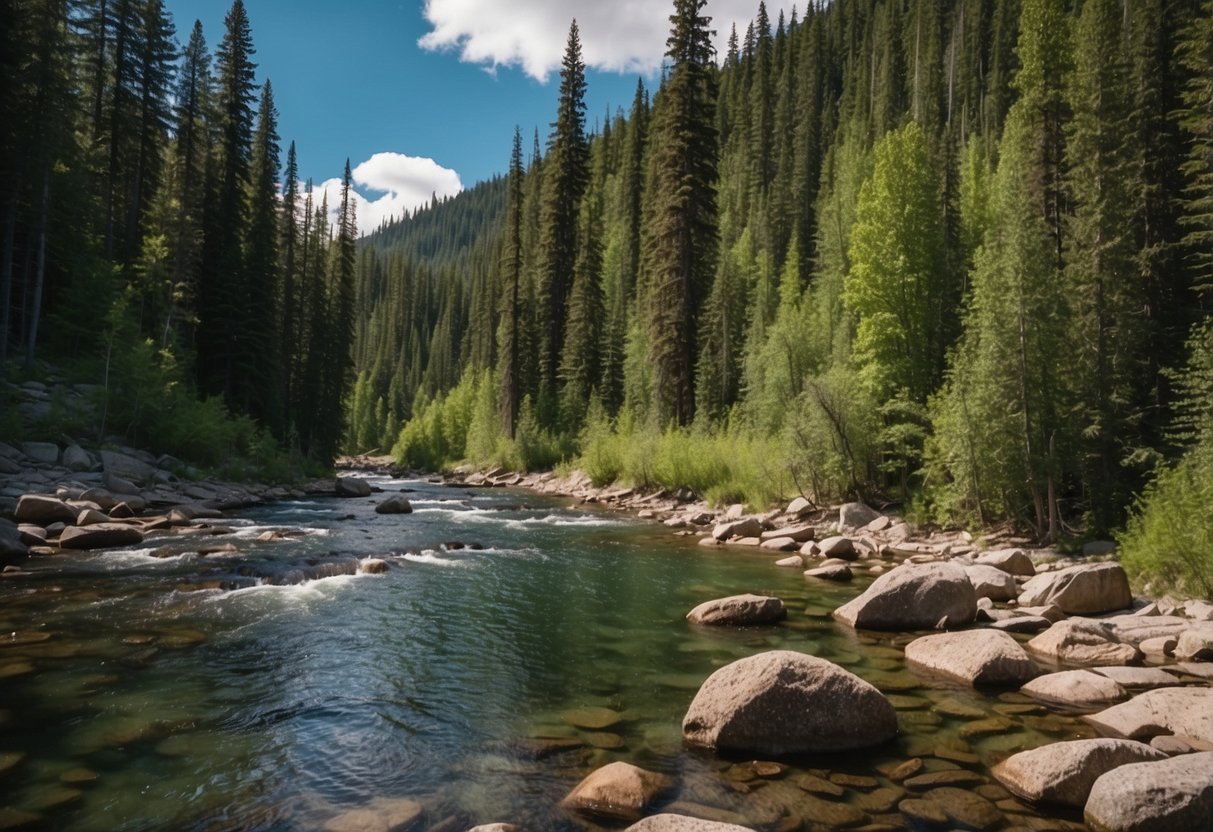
x=1064 y=632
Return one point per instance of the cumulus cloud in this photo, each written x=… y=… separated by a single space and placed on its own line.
x=395 y=183
x=617 y=36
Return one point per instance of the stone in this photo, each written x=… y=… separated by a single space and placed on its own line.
x=1173 y=794
x=745 y=527
x=991 y=582
x=1076 y=689
x=1079 y=590
x=1022 y=624
x=1172 y=744
x=100 y=536
x=1012 y=561
x=855 y=515
x=382 y=815
x=352 y=487
x=1159 y=646
x=1137 y=677
x=782 y=702
x=44 y=452
x=836 y=572
x=373 y=566
x=119 y=485
x=779 y=544
x=42 y=510
x=1134 y=629
x=965 y=809
x=948 y=777
x=799 y=507
x=618 y=790
x=671 y=822
x=838 y=547
x=1082 y=641
x=739 y=610
x=913 y=597
x=791 y=562
x=799 y=533
x=1195 y=644
x=1187 y=711
x=1063 y=772
x=978 y=657
x=126 y=466
x=879 y=524
x=395 y=504
x=90 y=517
x=76 y=458
x=593 y=719
x=1198 y=610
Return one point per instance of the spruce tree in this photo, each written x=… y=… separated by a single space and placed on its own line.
x=680 y=232
x=509 y=351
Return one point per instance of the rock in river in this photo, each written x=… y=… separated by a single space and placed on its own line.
x=670 y=822
x=979 y=657
x=395 y=504
x=1063 y=772
x=352 y=487
x=42 y=510
x=1079 y=590
x=1083 y=641
x=739 y=609
x=100 y=536
x=1076 y=689
x=619 y=790
x=913 y=597
x=782 y=702
x=1166 y=796
x=1187 y=711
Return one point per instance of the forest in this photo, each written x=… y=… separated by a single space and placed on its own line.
x=948 y=255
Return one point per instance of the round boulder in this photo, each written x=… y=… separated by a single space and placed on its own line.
x=352 y=487
x=1063 y=772
x=739 y=610
x=978 y=657
x=782 y=702
x=1174 y=794
x=395 y=504
x=913 y=597
x=991 y=582
x=618 y=790
x=1075 y=689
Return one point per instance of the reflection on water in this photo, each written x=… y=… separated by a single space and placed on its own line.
x=513 y=645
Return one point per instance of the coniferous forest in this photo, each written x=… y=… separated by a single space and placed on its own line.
x=948 y=254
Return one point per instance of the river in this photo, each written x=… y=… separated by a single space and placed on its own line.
x=157 y=688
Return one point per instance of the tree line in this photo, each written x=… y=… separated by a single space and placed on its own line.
x=147 y=238
x=954 y=253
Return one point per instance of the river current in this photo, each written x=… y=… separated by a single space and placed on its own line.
x=515 y=643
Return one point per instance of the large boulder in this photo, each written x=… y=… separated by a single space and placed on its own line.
x=1080 y=590
x=782 y=702
x=126 y=467
x=1186 y=711
x=352 y=487
x=1083 y=641
x=1172 y=795
x=913 y=597
x=1063 y=772
x=1076 y=689
x=1013 y=561
x=670 y=822
x=855 y=515
x=100 y=536
x=992 y=582
x=1195 y=644
x=978 y=657
x=42 y=510
x=396 y=504
x=618 y=790
x=739 y=610
x=744 y=527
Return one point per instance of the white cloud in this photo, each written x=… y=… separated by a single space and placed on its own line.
x=396 y=183
x=616 y=36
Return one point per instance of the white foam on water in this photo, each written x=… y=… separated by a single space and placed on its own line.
x=247 y=532
x=582 y=520
x=315 y=589
x=435 y=559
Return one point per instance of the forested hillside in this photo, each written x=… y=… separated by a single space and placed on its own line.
x=147 y=243
x=954 y=252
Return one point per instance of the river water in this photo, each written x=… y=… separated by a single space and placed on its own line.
x=158 y=688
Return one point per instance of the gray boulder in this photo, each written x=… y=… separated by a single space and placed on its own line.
x=126 y=467
x=1076 y=689
x=1080 y=590
x=1063 y=772
x=978 y=657
x=352 y=487
x=992 y=582
x=670 y=822
x=913 y=597
x=739 y=610
x=1195 y=644
x=838 y=547
x=12 y=549
x=618 y=790
x=396 y=504
x=76 y=458
x=1174 y=795
x=855 y=515
x=745 y=527
x=782 y=702
x=44 y=452
x=1186 y=711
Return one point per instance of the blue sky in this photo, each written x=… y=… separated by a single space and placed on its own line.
x=424 y=95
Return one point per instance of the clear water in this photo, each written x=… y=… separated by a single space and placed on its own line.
x=131 y=699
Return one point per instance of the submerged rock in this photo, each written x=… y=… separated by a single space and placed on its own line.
x=1174 y=794
x=670 y=822
x=979 y=657
x=739 y=610
x=782 y=702
x=913 y=597
x=618 y=790
x=1063 y=772
x=382 y=815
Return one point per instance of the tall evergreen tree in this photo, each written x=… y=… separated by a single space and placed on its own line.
x=257 y=363
x=509 y=349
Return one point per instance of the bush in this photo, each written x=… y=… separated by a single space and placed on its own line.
x=1169 y=537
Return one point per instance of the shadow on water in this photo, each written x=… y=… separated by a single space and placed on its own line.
x=259 y=680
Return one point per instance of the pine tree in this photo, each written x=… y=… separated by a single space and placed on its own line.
x=509 y=349
x=566 y=173
x=289 y=350
x=1196 y=119
x=258 y=370
x=680 y=232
